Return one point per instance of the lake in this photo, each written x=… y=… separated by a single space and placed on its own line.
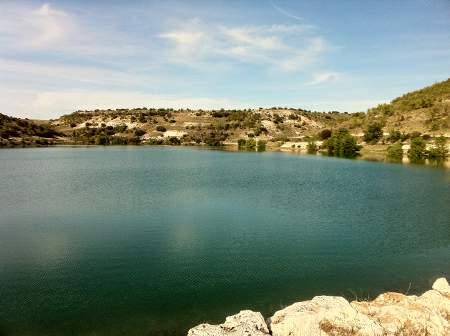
x=152 y=241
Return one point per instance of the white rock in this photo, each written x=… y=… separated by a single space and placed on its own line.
x=399 y=314
x=246 y=323
x=322 y=315
x=390 y=314
x=441 y=285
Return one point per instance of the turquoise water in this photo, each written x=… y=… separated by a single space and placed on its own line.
x=149 y=241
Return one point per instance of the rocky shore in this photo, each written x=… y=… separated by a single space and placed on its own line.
x=389 y=314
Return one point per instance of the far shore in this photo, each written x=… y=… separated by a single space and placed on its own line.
x=373 y=153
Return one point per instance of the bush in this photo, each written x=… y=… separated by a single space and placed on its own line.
x=172 y=141
x=395 y=152
x=342 y=144
x=394 y=136
x=311 y=147
x=373 y=133
x=249 y=144
x=324 y=134
x=261 y=146
x=440 y=150
x=417 y=151
x=160 y=128
x=139 y=132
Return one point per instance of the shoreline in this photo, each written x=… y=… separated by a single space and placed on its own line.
x=390 y=314
x=370 y=153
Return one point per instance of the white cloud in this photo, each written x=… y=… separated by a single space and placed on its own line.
x=284 y=47
x=34 y=28
x=45 y=29
x=324 y=78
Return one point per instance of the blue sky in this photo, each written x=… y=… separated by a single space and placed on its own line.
x=60 y=56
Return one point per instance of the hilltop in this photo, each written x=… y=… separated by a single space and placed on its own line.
x=425 y=111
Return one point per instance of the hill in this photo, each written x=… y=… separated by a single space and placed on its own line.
x=426 y=111
x=24 y=132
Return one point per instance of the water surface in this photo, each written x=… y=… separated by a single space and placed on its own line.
x=148 y=241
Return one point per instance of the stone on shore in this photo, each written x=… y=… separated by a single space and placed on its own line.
x=246 y=323
x=390 y=314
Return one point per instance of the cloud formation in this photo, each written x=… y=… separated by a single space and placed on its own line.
x=324 y=78
x=39 y=28
x=284 y=47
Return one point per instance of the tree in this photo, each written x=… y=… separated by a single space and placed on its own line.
x=373 y=133
x=417 y=152
x=343 y=144
x=261 y=146
x=325 y=134
x=311 y=147
x=139 y=132
x=440 y=150
x=394 y=136
x=395 y=152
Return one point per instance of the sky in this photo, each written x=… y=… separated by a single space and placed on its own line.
x=57 y=57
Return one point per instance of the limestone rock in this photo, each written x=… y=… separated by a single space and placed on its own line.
x=441 y=285
x=399 y=314
x=246 y=323
x=390 y=314
x=323 y=315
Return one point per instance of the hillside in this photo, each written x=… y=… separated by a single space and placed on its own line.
x=159 y=126
x=426 y=111
x=24 y=132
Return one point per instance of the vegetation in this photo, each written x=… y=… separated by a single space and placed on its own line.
x=395 y=152
x=440 y=150
x=249 y=144
x=261 y=146
x=252 y=145
x=417 y=152
x=342 y=144
x=325 y=134
x=24 y=132
x=432 y=103
x=419 y=114
x=312 y=147
x=373 y=133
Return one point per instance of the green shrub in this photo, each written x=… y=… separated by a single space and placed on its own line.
x=311 y=147
x=160 y=128
x=373 y=133
x=440 y=150
x=261 y=146
x=395 y=152
x=139 y=132
x=417 y=151
x=342 y=144
x=324 y=134
x=394 y=136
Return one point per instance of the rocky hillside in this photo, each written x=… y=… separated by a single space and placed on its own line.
x=390 y=314
x=158 y=126
x=426 y=111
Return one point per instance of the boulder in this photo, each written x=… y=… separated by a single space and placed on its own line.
x=390 y=314
x=323 y=315
x=246 y=323
x=441 y=285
